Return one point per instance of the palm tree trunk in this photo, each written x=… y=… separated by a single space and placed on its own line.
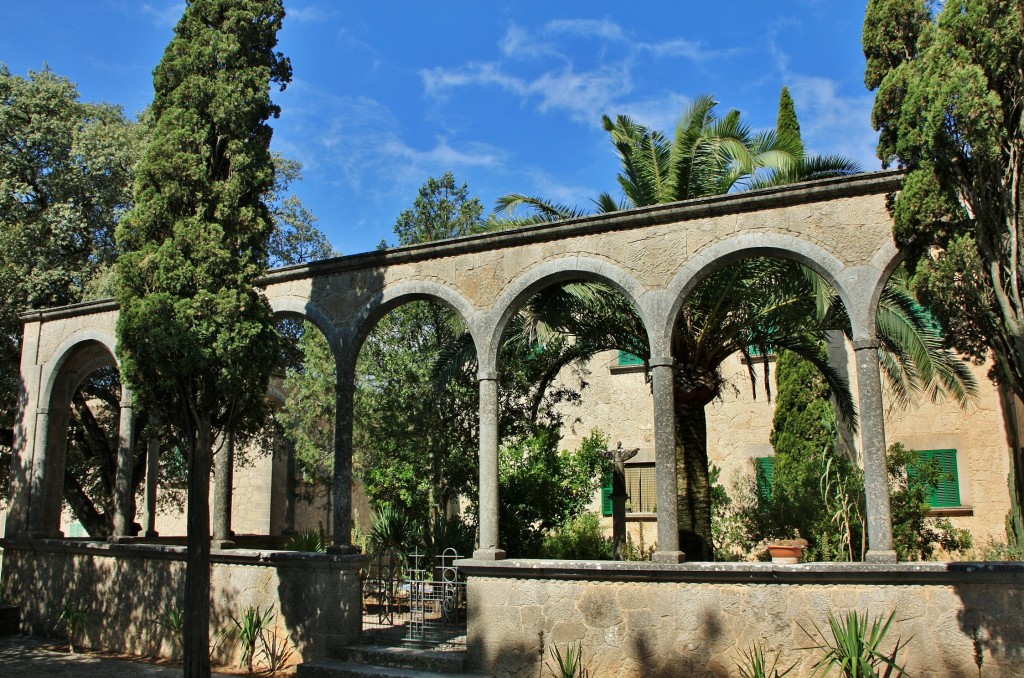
x=197 y=559
x=693 y=482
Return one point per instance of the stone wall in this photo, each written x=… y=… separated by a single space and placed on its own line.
x=648 y=620
x=315 y=597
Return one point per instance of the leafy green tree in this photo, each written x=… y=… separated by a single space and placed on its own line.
x=948 y=111
x=543 y=489
x=442 y=210
x=787 y=124
x=65 y=181
x=195 y=336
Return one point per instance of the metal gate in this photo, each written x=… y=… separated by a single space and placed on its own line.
x=408 y=601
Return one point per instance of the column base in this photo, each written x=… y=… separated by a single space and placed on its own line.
x=880 y=556
x=151 y=534
x=668 y=557
x=221 y=544
x=120 y=539
x=344 y=550
x=489 y=554
x=46 y=535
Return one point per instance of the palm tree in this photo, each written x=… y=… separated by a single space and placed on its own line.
x=754 y=302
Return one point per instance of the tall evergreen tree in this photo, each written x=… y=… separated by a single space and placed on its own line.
x=196 y=338
x=948 y=109
x=787 y=123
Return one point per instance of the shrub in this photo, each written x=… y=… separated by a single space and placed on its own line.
x=579 y=538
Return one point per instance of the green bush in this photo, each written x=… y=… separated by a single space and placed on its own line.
x=580 y=538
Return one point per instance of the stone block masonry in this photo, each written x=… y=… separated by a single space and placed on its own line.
x=123 y=588
x=696 y=619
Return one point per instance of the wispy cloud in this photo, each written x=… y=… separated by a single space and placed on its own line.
x=362 y=146
x=309 y=13
x=163 y=13
x=832 y=122
x=577 y=90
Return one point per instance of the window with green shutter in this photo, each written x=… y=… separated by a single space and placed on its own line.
x=946 y=493
x=764 y=468
x=627 y=359
x=606 y=495
x=642 y=488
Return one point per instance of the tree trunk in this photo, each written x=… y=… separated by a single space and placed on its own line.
x=96 y=524
x=197 y=560
x=693 y=481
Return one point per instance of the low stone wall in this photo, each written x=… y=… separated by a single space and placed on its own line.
x=697 y=619
x=123 y=588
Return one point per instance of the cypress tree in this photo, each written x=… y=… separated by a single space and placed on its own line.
x=787 y=123
x=196 y=339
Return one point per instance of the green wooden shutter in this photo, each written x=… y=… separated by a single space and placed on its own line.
x=626 y=359
x=947 y=492
x=765 y=470
x=606 y=496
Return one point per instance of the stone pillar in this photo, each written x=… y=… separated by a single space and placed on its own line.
x=488 y=547
x=665 y=461
x=37 y=484
x=152 y=474
x=290 y=482
x=342 y=485
x=872 y=434
x=224 y=472
x=124 y=497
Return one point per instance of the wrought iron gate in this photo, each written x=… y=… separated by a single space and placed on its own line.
x=406 y=601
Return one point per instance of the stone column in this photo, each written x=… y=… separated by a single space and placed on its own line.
x=152 y=474
x=290 y=482
x=224 y=476
x=872 y=433
x=488 y=548
x=124 y=498
x=342 y=485
x=36 y=527
x=665 y=461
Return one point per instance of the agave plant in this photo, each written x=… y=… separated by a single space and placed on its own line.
x=754 y=664
x=856 y=647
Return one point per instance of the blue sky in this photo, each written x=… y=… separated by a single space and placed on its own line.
x=506 y=95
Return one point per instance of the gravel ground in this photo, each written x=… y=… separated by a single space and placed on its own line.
x=39 y=658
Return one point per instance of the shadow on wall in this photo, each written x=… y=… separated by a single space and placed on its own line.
x=121 y=597
x=992 y=613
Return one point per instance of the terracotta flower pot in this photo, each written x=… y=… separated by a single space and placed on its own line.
x=786 y=554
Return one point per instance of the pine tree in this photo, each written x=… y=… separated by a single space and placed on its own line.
x=195 y=337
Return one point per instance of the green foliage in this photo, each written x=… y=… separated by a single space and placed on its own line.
x=172 y=620
x=947 y=108
x=638 y=550
x=755 y=665
x=916 y=536
x=787 y=123
x=441 y=211
x=580 y=538
x=310 y=541
x=196 y=338
x=856 y=647
x=392 y=530
x=72 y=615
x=249 y=630
x=542 y=488
x=571 y=665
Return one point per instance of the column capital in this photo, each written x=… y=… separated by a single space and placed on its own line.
x=662 y=361
x=487 y=375
x=862 y=344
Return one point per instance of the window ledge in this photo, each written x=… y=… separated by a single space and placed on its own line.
x=641 y=516
x=950 y=512
x=626 y=369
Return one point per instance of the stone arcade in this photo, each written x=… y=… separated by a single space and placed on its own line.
x=636 y=619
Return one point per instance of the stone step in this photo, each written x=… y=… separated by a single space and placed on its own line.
x=336 y=668
x=400 y=657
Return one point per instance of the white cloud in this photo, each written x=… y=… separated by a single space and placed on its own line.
x=581 y=93
x=660 y=113
x=832 y=122
x=163 y=13
x=308 y=14
x=362 y=146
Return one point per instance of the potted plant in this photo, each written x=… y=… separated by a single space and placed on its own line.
x=787 y=551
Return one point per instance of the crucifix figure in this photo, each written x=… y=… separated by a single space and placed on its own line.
x=618 y=496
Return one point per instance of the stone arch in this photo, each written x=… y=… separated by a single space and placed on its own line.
x=748 y=245
x=391 y=297
x=549 y=273
x=291 y=306
x=78 y=356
